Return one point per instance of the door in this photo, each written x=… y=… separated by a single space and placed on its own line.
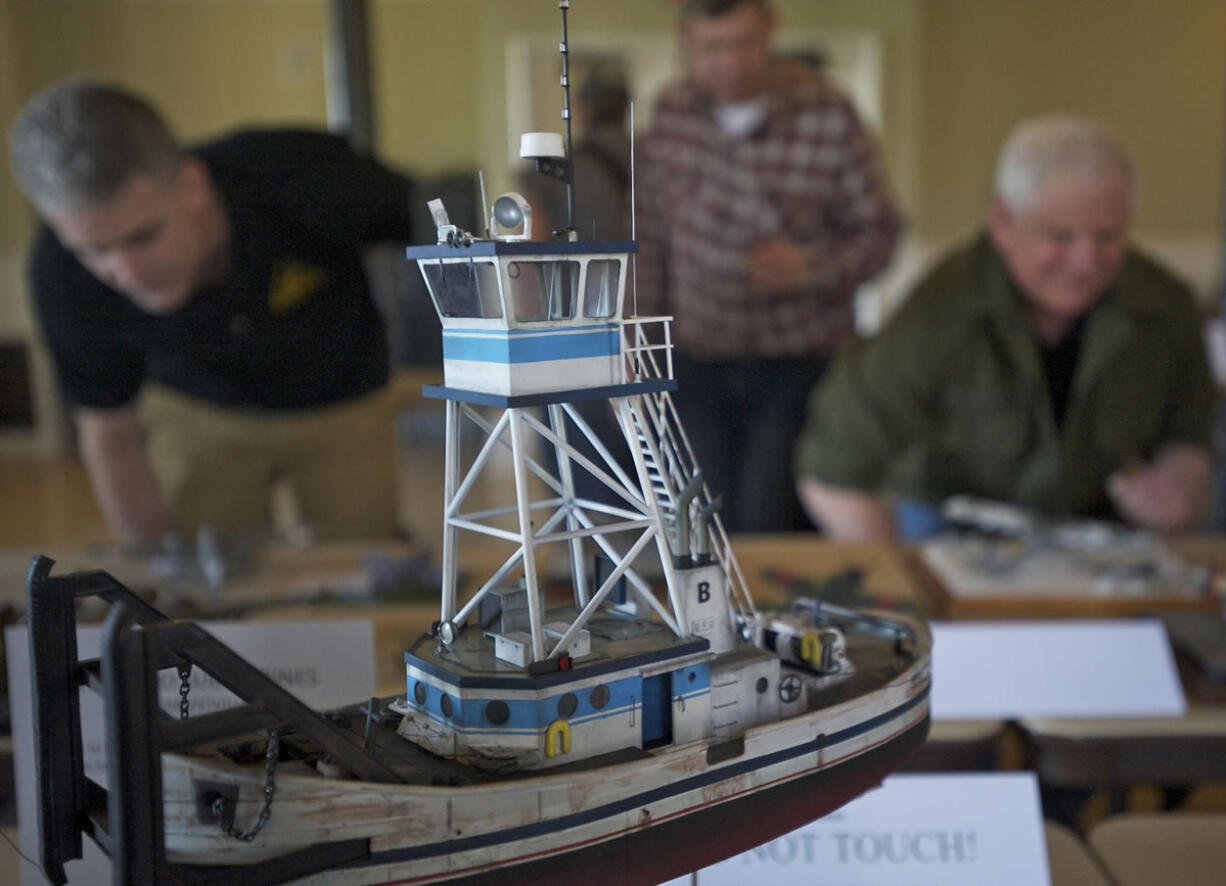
x=657 y=710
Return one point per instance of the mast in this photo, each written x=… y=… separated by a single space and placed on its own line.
x=571 y=232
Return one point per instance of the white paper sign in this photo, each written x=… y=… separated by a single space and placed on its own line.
x=325 y=664
x=915 y=830
x=1016 y=669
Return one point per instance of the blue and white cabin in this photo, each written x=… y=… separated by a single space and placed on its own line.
x=522 y=317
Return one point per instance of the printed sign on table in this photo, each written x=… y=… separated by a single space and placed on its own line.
x=990 y=670
x=914 y=830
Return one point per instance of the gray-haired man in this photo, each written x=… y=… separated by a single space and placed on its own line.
x=1047 y=364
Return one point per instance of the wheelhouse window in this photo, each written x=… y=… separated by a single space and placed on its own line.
x=464 y=289
x=600 y=289
x=543 y=290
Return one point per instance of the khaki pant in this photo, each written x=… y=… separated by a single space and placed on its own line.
x=218 y=465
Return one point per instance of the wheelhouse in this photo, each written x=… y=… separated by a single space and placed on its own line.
x=526 y=317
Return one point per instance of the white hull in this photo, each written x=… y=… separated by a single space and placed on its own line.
x=421 y=834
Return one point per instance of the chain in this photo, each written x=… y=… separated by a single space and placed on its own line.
x=270 y=772
x=185 y=686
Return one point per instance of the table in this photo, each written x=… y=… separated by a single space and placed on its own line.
x=287 y=583
x=1065 y=753
x=1111 y=754
x=282 y=583
x=775 y=565
x=769 y=561
x=1069 y=586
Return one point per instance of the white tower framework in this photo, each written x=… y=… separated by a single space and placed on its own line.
x=529 y=330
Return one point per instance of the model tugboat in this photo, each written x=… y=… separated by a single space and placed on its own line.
x=646 y=722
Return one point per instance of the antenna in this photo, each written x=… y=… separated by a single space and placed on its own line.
x=634 y=219
x=485 y=207
x=564 y=49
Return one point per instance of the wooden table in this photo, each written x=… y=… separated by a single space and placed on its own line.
x=285 y=583
x=1065 y=753
x=776 y=565
x=281 y=583
x=1111 y=752
x=769 y=561
x=1084 y=754
x=1203 y=555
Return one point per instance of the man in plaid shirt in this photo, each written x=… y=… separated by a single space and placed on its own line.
x=763 y=206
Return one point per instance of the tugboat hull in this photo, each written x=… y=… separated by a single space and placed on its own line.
x=642 y=821
x=690 y=842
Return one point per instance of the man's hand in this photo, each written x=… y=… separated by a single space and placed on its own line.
x=777 y=265
x=846 y=514
x=113 y=448
x=1169 y=494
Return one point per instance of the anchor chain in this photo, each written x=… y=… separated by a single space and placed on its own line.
x=270 y=772
x=185 y=686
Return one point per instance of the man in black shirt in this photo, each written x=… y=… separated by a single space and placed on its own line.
x=208 y=314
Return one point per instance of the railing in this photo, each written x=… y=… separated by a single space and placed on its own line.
x=640 y=351
x=643 y=364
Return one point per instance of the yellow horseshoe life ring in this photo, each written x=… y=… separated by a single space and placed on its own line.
x=557 y=738
x=811 y=648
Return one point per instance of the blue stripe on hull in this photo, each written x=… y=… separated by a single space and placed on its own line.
x=508 y=349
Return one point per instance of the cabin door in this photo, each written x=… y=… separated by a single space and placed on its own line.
x=657 y=710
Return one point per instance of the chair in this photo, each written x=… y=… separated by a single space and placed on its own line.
x=1163 y=849
x=1068 y=859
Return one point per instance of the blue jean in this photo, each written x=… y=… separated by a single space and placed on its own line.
x=742 y=418
x=916 y=520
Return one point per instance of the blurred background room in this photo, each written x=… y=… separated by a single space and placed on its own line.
x=941 y=80
x=441 y=90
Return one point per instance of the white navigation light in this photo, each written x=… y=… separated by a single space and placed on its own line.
x=507 y=212
x=512 y=212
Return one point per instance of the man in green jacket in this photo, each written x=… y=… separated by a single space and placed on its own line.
x=1045 y=364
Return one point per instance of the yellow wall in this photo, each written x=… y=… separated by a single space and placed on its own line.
x=957 y=73
x=14 y=220
x=208 y=65
x=424 y=56
x=1154 y=71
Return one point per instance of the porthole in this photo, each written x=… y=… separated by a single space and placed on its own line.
x=599 y=697
x=567 y=705
x=497 y=712
x=445 y=705
x=761 y=685
x=419 y=692
x=691 y=676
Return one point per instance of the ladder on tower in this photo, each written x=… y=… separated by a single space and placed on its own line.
x=672 y=467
